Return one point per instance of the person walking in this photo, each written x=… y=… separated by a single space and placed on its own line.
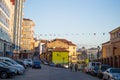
x=71 y=66
x=76 y=67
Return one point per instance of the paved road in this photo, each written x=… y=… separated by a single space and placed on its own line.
x=53 y=73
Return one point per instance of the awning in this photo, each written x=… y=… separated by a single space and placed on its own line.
x=9 y=52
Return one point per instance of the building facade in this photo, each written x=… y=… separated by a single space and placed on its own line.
x=68 y=45
x=6 y=27
x=92 y=53
x=18 y=18
x=27 y=38
x=60 y=56
x=111 y=49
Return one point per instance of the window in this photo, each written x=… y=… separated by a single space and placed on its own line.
x=73 y=47
x=73 y=53
x=119 y=34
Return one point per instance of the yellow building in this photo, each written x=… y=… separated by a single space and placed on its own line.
x=60 y=56
x=27 y=39
x=111 y=49
x=6 y=27
x=72 y=52
x=68 y=45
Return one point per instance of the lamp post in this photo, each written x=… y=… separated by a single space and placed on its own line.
x=98 y=55
x=63 y=60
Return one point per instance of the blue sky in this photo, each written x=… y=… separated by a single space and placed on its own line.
x=74 y=20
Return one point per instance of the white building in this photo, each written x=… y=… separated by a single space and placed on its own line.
x=6 y=26
x=92 y=53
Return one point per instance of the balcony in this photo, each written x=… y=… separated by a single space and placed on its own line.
x=115 y=40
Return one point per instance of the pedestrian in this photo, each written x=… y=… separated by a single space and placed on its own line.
x=76 y=67
x=71 y=67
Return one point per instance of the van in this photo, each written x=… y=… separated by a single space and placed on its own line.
x=91 y=65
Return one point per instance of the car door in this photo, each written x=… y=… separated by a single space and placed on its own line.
x=106 y=74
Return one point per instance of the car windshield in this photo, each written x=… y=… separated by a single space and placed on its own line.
x=103 y=68
x=11 y=61
x=7 y=63
x=115 y=70
x=96 y=68
x=3 y=64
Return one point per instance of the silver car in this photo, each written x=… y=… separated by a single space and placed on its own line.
x=20 y=70
x=112 y=74
x=9 y=67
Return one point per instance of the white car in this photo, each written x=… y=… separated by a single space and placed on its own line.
x=28 y=62
x=91 y=65
x=112 y=74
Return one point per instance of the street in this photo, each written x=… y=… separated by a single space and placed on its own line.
x=52 y=73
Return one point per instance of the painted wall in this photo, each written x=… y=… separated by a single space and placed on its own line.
x=60 y=57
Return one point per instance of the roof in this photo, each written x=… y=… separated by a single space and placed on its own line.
x=65 y=41
x=60 y=50
x=93 y=49
x=43 y=41
x=13 y=2
x=27 y=19
x=106 y=42
x=117 y=29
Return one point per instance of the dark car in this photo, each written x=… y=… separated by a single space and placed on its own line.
x=98 y=70
x=59 y=65
x=36 y=64
x=22 y=63
x=94 y=71
x=6 y=72
x=52 y=64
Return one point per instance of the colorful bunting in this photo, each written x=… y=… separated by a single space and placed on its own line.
x=68 y=34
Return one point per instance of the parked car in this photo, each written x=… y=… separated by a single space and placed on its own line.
x=6 y=72
x=20 y=70
x=66 y=66
x=98 y=70
x=91 y=65
x=95 y=71
x=21 y=63
x=28 y=62
x=52 y=64
x=36 y=64
x=10 y=61
x=112 y=74
x=103 y=68
x=10 y=67
x=59 y=65
x=44 y=61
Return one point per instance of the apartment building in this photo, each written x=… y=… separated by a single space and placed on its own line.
x=27 y=38
x=6 y=27
x=18 y=18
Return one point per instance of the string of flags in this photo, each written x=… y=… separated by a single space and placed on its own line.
x=71 y=34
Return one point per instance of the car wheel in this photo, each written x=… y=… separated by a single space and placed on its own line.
x=3 y=75
x=109 y=78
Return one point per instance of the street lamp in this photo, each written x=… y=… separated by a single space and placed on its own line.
x=63 y=60
x=98 y=55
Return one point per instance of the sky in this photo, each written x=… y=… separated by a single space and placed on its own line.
x=84 y=22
